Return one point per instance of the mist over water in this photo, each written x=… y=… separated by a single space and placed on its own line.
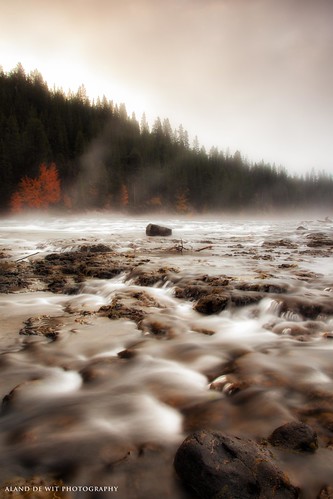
x=245 y=370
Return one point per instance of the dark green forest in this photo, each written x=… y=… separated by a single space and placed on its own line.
x=107 y=159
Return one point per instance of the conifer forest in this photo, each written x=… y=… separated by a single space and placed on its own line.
x=62 y=151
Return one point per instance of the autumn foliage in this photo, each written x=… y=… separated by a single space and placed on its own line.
x=182 y=203
x=124 y=195
x=37 y=192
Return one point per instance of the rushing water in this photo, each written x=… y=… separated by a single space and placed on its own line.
x=81 y=412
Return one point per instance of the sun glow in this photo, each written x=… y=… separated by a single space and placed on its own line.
x=68 y=75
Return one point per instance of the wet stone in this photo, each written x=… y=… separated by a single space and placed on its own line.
x=96 y=248
x=150 y=278
x=127 y=354
x=197 y=291
x=99 y=370
x=307 y=308
x=319 y=239
x=13 y=277
x=158 y=329
x=286 y=243
x=265 y=287
x=210 y=414
x=243 y=299
x=57 y=286
x=228 y=386
x=300 y=331
x=41 y=326
x=116 y=310
x=96 y=261
x=296 y=436
x=326 y=493
x=7 y=401
x=204 y=331
x=212 y=304
x=220 y=466
x=157 y=230
x=190 y=292
x=216 y=280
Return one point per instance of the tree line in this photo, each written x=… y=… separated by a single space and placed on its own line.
x=64 y=150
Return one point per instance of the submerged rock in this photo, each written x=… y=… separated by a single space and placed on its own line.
x=326 y=492
x=13 y=277
x=307 y=308
x=197 y=291
x=212 y=304
x=220 y=466
x=295 y=436
x=150 y=278
x=117 y=310
x=157 y=230
x=319 y=239
x=96 y=248
x=41 y=326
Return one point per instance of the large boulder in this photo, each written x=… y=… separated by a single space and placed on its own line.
x=157 y=230
x=220 y=466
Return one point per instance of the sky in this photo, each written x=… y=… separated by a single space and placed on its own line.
x=248 y=75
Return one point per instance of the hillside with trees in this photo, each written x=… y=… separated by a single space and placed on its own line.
x=65 y=151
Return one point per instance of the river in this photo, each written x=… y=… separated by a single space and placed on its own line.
x=103 y=375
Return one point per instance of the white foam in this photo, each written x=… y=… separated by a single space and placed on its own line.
x=57 y=382
x=141 y=417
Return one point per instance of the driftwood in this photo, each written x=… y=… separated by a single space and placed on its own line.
x=28 y=256
x=205 y=247
x=180 y=247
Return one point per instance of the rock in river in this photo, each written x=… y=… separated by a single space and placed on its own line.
x=216 y=466
x=295 y=436
x=157 y=230
x=212 y=304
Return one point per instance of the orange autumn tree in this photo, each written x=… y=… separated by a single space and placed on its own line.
x=37 y=192
x=123 y=195
x=182 y=203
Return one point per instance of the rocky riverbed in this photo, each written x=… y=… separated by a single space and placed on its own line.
x=116 y=347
